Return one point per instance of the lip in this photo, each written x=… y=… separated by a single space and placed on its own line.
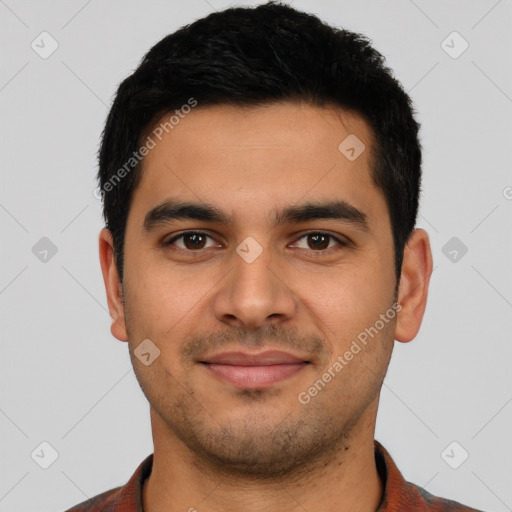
x=269 y=357
x=254 y=371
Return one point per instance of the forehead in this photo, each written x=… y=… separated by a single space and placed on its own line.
x=243 y=158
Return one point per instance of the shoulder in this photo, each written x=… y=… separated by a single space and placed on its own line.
x=104 y=502
x=127 y=498
x=422 y=500
x=400 y=495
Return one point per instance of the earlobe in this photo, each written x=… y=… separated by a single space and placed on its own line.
x=414 y=282
x=112 y=285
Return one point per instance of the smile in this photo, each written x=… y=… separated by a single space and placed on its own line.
x=255 y=377
x=254 y=370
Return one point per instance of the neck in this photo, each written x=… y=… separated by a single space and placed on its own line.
x=345 y=479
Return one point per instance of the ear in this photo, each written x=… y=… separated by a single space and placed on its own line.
x=112 y=285
x=413 y=288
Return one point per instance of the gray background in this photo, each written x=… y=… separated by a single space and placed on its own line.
x=65 y=380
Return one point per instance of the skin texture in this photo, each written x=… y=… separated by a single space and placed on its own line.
x=218 y=447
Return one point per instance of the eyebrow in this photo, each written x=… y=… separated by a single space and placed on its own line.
x=173 y=209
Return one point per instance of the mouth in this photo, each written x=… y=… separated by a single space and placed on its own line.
x=254 y=371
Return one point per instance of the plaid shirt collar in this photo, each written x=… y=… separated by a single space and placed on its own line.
x=398 y=495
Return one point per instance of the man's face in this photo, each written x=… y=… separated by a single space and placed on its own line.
x=306 y=285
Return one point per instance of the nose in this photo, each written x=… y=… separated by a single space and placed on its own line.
x=254 y=294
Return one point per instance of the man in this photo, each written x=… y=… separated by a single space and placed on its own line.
x=260 y=174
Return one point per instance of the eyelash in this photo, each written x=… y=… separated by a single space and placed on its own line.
x=317 y=253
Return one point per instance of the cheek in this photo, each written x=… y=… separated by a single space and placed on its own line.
x=162 y=301
x=349 y=298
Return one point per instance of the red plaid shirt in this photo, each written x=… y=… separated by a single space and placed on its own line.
x=398 y=495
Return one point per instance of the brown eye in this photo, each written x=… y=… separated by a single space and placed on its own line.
x=191 y=241
x=318 y=241
x=194 y=241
